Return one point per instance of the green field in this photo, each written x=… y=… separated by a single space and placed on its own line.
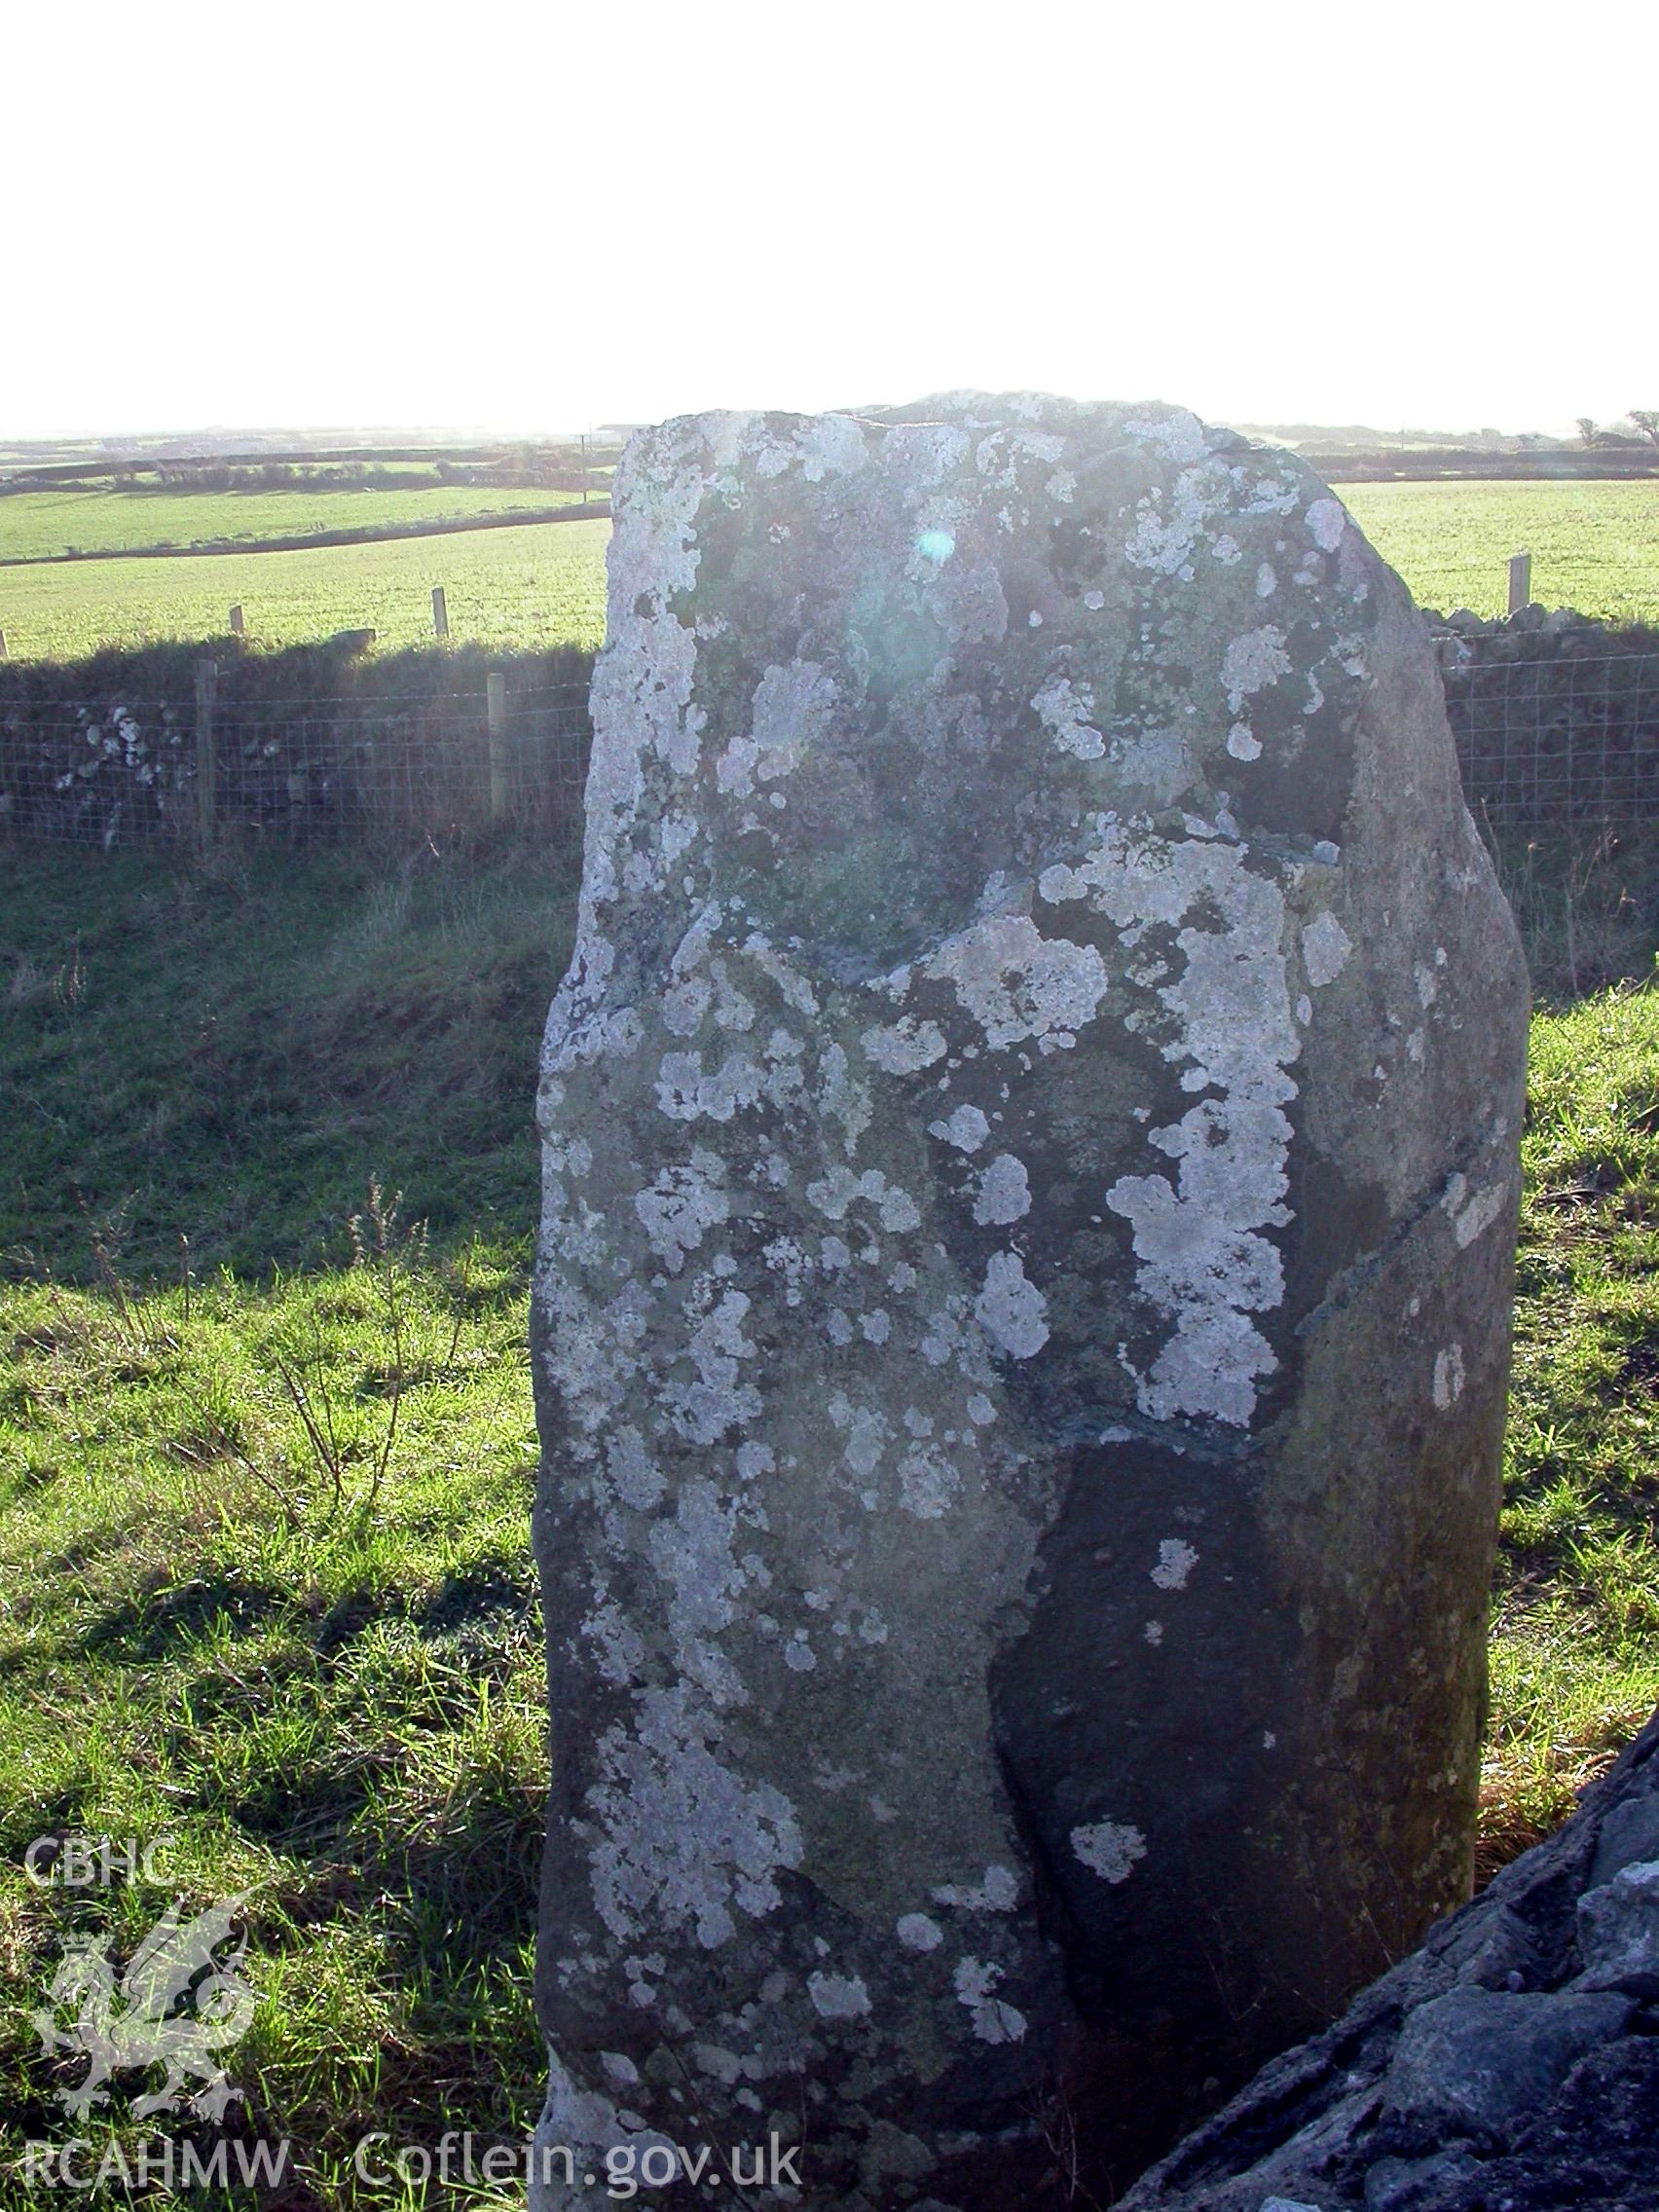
x=1595 y=546
x=513 y=589
x=73 y=518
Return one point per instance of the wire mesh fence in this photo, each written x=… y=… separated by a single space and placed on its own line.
x=1565 y=739
x=172 y=773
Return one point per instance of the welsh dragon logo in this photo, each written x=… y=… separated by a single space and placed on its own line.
x=176 y=2006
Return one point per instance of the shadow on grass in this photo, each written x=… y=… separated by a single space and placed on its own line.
x=161 y=1623
x=471 y=1595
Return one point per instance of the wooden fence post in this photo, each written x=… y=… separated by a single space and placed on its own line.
x=2 y=644
x=496 y=708
x=1520 y=582
x=206 y=753
x=440 y=612
x=236 y=622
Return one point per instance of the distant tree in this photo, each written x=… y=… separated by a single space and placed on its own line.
x=1647 y=421
x=1588 y=432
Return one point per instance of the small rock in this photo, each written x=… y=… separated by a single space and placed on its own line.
x=1414 y=2185
x=1331 y=2120
x=1495 y=1952
x=1618 y=1933
x=1483 y=2059
x=1629 y=1835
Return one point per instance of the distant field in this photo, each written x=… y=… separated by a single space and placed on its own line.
x=1595 y=546
x=74 y=518
x=513 y=589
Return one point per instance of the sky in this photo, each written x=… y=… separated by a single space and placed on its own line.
x=540 y=218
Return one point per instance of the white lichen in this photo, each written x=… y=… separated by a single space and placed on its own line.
x=1472 y=1215
x=928 y=1482
x=1111 y=1849
x=1252 y=662
x=966 y=1128
x=1205 y=1263
x=684 y=1841
x=1066 y=712
x=1325 y=949
x=1011 y=1311
x=1176 y=1561
x=1016 y=983
x=1449 y=1377
x=905 y=1048
x=1326 y=520
x=682 y=1201
x=1004 y=1193
x=837 y=1996
x=994 y=2021
x=997 y=1891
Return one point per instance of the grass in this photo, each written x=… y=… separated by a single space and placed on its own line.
x=1588 y=910
x=1595 y=546
x=512 y=589
x=1575 y=1643
x=264 y=1575
x=328 y=1694
x=227 y=1054
x=265 y=1584
x=75 y=518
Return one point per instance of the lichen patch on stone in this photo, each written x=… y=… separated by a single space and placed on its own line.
x=994 y=2021
x=1325 y=949
x=1011 y=1310
x=1016 y=984
x=1111 y=1849
x=837 y=1996
x=684 y=1840
x=1176 y=1560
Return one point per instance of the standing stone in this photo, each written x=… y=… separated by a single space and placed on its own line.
x=1022 y=1309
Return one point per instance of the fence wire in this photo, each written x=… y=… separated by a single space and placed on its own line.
x=156 y=773
x=1568 y=740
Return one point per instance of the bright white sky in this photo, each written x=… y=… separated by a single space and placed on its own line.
x=545 y=216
